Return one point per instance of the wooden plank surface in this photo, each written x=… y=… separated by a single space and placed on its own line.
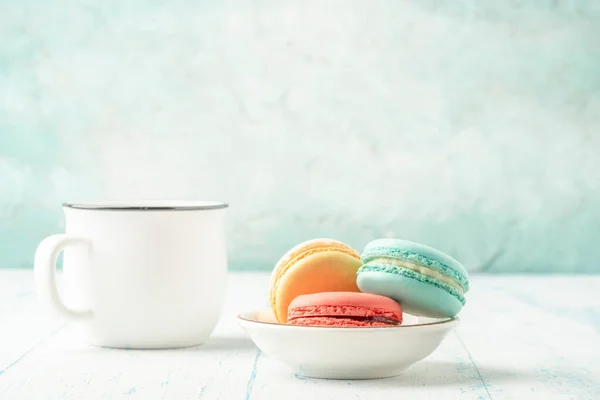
x=521 y=337
x=23 y=324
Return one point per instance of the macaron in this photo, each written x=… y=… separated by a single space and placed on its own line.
x=318 y=265
x=424 y=280
x=344 y=310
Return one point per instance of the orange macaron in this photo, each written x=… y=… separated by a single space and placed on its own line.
x=318 y=265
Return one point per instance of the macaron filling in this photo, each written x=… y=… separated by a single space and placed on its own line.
x=408 y=273
x=419 y=269
x=377 y=252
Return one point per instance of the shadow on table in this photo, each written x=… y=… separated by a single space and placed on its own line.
x=431 y=374
x=227 y=343
x=445 y=373
x=215 y=343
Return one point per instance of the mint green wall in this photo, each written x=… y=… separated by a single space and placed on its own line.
x=473 y=126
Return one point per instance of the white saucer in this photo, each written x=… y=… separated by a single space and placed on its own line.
x=347 y=353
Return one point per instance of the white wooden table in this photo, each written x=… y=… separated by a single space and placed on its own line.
x=521 y=337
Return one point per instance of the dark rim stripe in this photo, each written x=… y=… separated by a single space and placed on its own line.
x=106 y=207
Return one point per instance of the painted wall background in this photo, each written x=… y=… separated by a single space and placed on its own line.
x=473 y=126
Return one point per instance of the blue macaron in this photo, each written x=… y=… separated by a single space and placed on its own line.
x=425 y=281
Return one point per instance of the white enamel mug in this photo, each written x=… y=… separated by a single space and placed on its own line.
x=138 y=275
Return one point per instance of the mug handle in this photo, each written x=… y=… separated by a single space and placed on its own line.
x=44 y=267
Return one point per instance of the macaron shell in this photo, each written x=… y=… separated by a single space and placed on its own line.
x=415 y=297
x=343 y=311
x=337 y=322
x=344 y=304
x=298 y=253
x=326 y=271
x=418 y=248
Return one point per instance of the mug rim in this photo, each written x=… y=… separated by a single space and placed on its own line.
x=146 y=205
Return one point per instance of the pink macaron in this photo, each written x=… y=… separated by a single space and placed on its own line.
x=344 y=310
